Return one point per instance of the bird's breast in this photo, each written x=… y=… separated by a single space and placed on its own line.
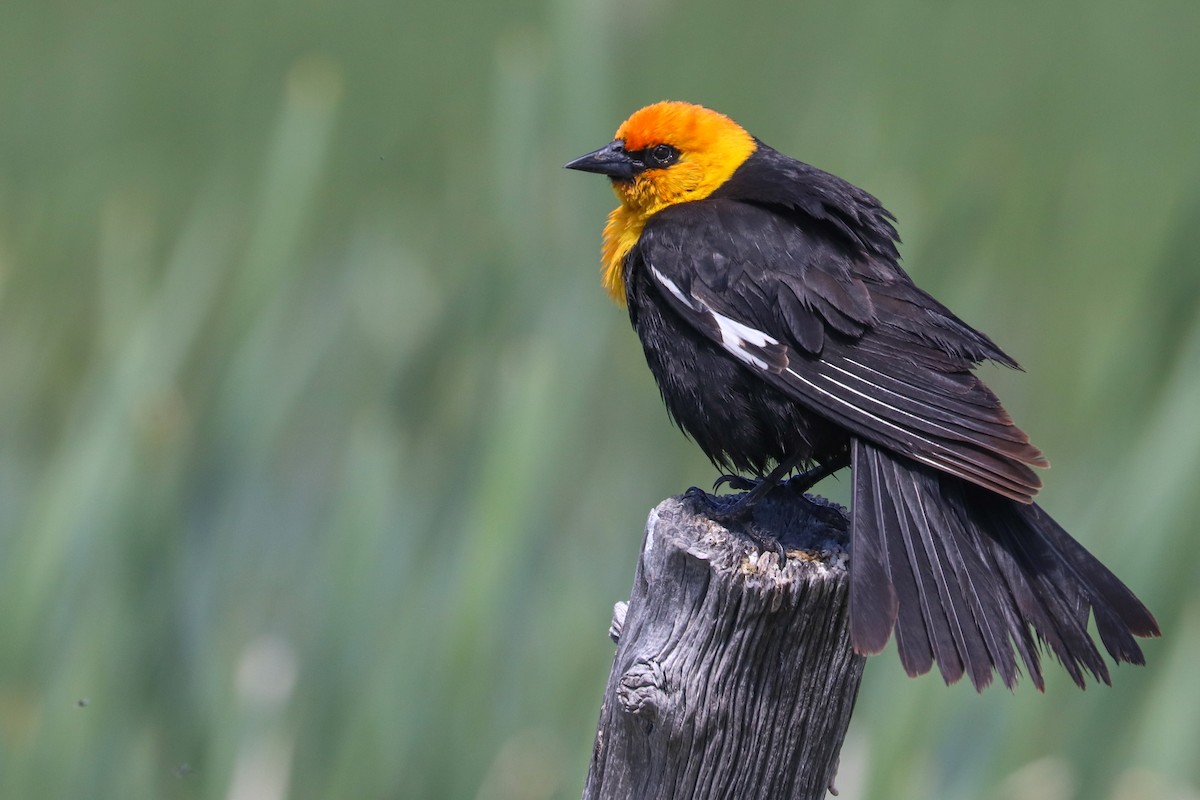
x=740 y=421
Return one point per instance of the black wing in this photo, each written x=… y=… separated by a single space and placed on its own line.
x=829 y=317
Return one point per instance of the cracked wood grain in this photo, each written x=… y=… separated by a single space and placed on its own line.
x=734 y=676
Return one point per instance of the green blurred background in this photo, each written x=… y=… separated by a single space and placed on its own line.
x=323 y=455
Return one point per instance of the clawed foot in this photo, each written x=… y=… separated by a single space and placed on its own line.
x=765 y=541
x=734 y=513
x=722 y=508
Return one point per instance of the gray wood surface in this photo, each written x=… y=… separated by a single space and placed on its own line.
x=733 y=677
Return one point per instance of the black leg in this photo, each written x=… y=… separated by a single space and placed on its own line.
x=810 y=478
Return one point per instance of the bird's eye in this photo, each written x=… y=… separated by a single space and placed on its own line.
x=662 y=155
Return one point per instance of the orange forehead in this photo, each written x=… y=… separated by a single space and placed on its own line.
x=686 y=126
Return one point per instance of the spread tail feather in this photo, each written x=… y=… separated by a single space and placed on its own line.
x=967 y=578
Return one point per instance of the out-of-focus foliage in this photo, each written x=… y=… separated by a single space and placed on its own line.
x=323 y=455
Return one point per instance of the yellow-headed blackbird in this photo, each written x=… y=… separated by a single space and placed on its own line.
x=783 y=332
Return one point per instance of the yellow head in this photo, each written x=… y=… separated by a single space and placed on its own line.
x=663 y=154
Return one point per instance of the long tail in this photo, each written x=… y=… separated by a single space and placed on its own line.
x=967 y=579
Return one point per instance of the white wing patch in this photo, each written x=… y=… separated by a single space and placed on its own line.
x=736 y=337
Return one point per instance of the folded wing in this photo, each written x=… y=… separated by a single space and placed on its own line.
x=844 y=332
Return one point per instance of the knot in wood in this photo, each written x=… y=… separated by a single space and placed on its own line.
x=642 y=690
x=620 y=609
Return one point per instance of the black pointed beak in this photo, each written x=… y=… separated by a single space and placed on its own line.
x=610 y=160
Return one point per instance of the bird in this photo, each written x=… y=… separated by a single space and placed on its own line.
x=784 y=335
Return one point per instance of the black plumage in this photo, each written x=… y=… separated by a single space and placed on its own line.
x=781 y=328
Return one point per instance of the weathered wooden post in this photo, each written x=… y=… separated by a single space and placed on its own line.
x=734 y=675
